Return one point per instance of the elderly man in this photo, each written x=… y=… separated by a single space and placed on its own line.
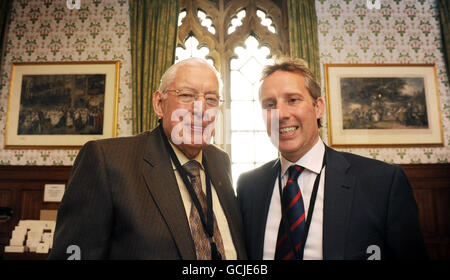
x=317 y=203
x=164 y=194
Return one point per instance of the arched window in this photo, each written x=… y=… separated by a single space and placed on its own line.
x=238 y=37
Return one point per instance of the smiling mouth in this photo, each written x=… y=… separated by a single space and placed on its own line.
x=287 y=130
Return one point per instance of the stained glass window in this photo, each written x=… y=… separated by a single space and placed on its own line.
x=236 y=21
x=192 y=50
x=250 y=145
x=238 y=45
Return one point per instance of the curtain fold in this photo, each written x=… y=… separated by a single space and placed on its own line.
x=154 y=25
x=5 y=6
x=444 y=16
x=303 y=34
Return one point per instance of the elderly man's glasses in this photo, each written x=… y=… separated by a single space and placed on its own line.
x=188 y=96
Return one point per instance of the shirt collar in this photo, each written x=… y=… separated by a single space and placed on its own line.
x=312 y=160
x=183 y=159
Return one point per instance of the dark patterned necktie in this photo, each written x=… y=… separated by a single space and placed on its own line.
x=201 y=240
x=292 y=203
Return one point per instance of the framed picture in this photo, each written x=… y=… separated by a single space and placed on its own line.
x=61 y=104
x=382 y=105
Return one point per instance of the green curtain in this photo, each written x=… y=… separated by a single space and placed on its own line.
x=444 y=15
x=5 y=6
x=303 y=37
x=153 y=31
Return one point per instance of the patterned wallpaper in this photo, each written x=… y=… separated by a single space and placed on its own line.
x=47 y=30
x=402 y=31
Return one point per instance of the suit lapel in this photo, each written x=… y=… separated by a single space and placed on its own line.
x=338 y=194
x=163 y=187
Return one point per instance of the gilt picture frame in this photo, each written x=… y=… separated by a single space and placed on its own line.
x=383 y=105
x=61 y=104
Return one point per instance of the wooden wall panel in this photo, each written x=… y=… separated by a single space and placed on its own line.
x=6 y=198
x=443 y=209
x=21 y=188
x=427 y=212
x=31 y=204
x=431 y=186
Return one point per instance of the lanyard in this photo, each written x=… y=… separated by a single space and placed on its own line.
x=208 y=222
x=299 y=254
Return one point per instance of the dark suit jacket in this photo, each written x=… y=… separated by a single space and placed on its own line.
x=123 y=202
x=366 y=202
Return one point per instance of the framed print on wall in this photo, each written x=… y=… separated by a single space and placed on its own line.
x=382 y=105
x=61 y=104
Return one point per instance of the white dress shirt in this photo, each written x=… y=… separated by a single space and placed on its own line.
x=222 y=222
x=312 y=162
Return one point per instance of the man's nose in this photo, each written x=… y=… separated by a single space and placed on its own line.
x=283 y=112
x=199 y=107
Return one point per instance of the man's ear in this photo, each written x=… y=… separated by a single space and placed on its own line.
x=158 y=103
x=320 y=107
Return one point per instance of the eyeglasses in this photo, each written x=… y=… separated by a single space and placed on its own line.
x=188 y=96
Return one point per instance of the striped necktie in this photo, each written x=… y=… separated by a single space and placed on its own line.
x=201 y=241
x=292 y=203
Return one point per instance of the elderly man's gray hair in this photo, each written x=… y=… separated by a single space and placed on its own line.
x=170 y=74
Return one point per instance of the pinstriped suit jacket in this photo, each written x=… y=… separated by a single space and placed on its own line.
x=123 y=202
